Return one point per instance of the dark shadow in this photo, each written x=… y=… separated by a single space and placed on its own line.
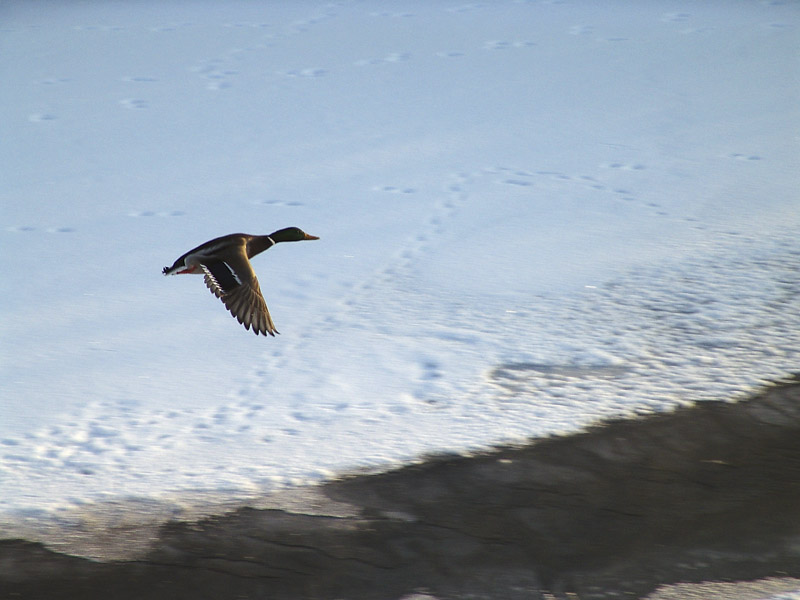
x=710 y=492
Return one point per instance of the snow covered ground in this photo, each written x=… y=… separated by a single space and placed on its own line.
x=533 y=216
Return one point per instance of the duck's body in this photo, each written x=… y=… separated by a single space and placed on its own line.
x=225 y=263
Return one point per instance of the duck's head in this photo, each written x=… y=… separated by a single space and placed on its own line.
x=291 y=234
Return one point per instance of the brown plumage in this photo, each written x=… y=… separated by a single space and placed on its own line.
x=225 y=264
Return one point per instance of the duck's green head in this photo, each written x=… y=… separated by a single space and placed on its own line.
x=291 y=234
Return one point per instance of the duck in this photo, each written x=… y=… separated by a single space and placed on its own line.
x=225 y=264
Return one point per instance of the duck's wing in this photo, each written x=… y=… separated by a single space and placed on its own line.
x=232 y=280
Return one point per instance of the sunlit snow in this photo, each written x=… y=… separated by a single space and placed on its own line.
x=533 y=216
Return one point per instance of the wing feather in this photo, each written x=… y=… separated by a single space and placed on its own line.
x=244 y=300
x=246 y=303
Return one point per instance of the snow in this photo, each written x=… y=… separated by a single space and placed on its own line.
x=793 y=595
x=533 y=216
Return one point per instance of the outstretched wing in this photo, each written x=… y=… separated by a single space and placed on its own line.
x=234 y=282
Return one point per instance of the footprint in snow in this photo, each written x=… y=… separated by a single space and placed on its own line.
x=554 y=175
x=737 y=156
x=677 y=17
x=167 y=28
x=624 y=166
x=98 y=28
x=247 y=25
x=512 y=176
x=394 y=190
x=29 y=228
x=41 y=117
x=392 y=15
x=279 y=202
x=518 y=182
x=305 y=73
x=394 y=57
x=503 y=45
x=430 y=370
x=216 y=76
x=152 y=213
x=465 y=8
x=134 y=103
x=581 y=30
x=218 y=85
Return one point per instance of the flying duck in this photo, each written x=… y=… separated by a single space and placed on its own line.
x=225 y=263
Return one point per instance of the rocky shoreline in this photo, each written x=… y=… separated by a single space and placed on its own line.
x=709 y=493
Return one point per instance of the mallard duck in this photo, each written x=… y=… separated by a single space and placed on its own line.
x=225 y=263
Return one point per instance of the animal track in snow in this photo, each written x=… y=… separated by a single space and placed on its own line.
x=306 y=73
x=523 y=178
x=131 y=79
x=151 y=213
x=54 y=80
x=465 y=8
x=98 y=28
x=683 y=17
x=170 y=27
x=581 y=30
x=431 y=370
x=247 y=25
x=392 y=15
x=675 y=17
x=436 y=223
x=394 y=190
x=560 y=182
x=394 y=57
x=590 y=30
x=555 y=175
x=518 y=182
x=430 y=374
x=625 y=166
x=592 y=182
x=514 y=378
x=134 y=103
x=216 y=77
x=397 y=57
x=511 y=176
x=304 y=25
x=503 y=45
x=280 y=202
x=41 y=117
x=30 y=228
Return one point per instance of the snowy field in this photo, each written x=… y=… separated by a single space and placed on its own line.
x=533 y=216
